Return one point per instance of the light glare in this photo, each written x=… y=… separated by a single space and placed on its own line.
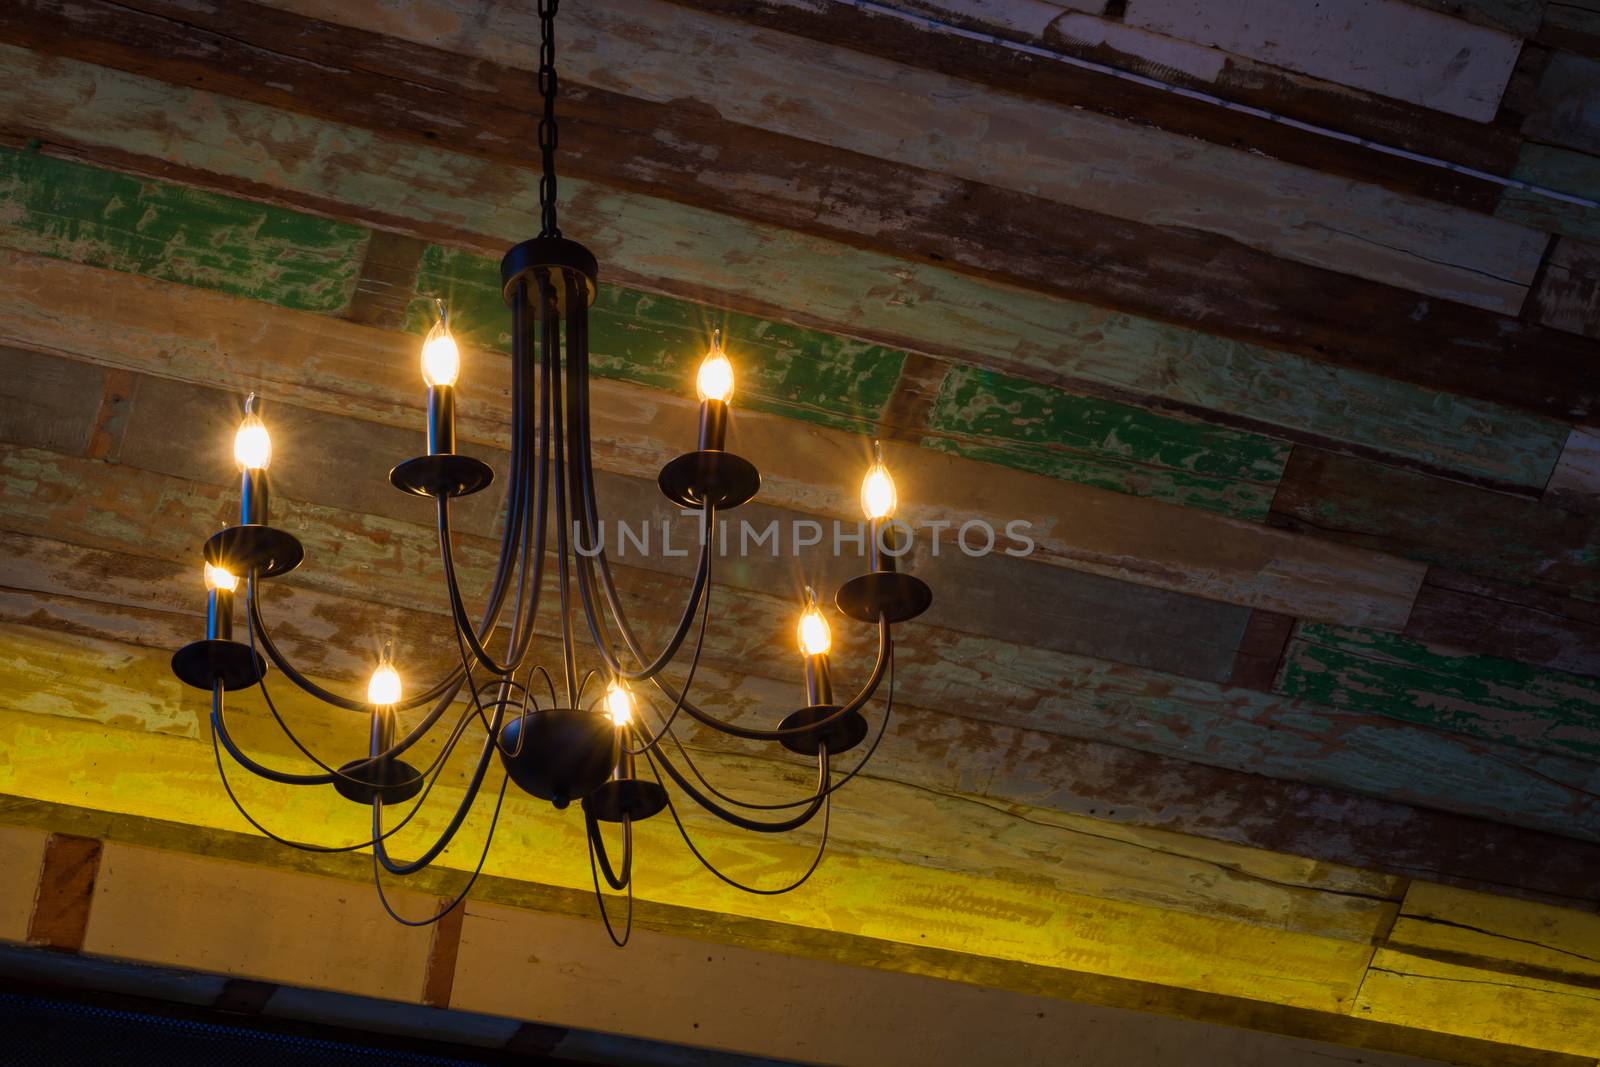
x=619 y=704
x=441 y=359
x=877 y=492
x=252 y=445
x=715 y=380
x=219 y=578
x=815 y=636
x=384 y=688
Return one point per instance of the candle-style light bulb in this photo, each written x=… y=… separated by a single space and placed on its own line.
x=220 y=578
x=715 y=380
x=815 y=636
x=384 y=688
x=441 y=358
x=878 y=496
x=619 y=703
x=252 y=444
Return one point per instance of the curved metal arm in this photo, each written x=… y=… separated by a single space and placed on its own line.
x=815 y=805
x=598 y=843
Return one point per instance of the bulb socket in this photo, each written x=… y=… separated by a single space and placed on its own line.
x=441 y=420
x=219 y=615
x=253 y=497
x=713 y=425
x=819 y=681
x=625 y=759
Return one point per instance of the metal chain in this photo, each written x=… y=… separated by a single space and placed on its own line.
x=547 y=122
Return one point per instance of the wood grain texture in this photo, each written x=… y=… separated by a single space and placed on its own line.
x=105 y=596
x=337 y=72
x=1482 y=696
x=1566 y=108
x=21 y=857
x=1568 y=296
x=1575 y=483
x=1387 y=47
x=1502 y=619
x=1504 y=972
x=1058 y=693
x=1156 y=176
x=1078 y=527
x=67 y=879
x=1489 y=534
x=1565 y=171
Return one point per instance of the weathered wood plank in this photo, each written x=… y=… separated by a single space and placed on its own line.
x=891 y=301
x=1385 y=47
x=156 y=329
x=106 y=219
x=113 y=597
x=1261 y=651
x=1572 y=24
x=341 y=73
x=1507 y=973
x=1564 y=171
x=1520 y=17
x=1575 y=483
x=1159 y=177
x=1500 y=619
x=999 y=419
x=1481 y=696
x=1568 y=296
x=1566 y=108
x=21 y=855
x=67 y=879
x=1489 y=534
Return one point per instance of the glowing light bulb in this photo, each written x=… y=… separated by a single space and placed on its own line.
x=715 y=380
x=619 y=704
x=252 y=445
x=878 y=497
x=815 y=636
x=220 y=578
x=384 y=688
x=441 y=359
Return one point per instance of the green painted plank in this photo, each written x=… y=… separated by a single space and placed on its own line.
x=103 y=218
x=1564 y=171
x=995 y=418
x=1480 y=696
x=658 y=341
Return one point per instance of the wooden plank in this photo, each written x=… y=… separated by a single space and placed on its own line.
x=1492 y=535
x=83 y=591
x=1261 y=651
x=342 y=940
x=49 y=404
x=106 y=219
x=155 y=329
x=1507 y=973
x=1566 y=108
x=1519 y=17
x=1480 y=696
x=1564 y=171
x=1575 y=483
x=891 y=301
x=1568 y=295
x=21 y=857
x=1573 y=24
x=1157 y=177
x=1385 y=47
x=1500 y=619
x=1054 y=692
x=67 y=880
x=1232 y=290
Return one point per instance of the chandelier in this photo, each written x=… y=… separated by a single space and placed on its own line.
x=579 y=745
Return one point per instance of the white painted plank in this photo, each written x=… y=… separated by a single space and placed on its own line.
x=828 y=94
x=1383 y=46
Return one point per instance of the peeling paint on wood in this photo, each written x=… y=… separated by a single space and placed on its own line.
x=892 y=301
x=1480 y=696
x=1512 y=621
x=144 y=226
x=1568 y=297
x=1441 y=522
x=999 y=419
x=1566 y=109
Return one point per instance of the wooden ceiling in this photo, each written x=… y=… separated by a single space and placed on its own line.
x=1291 y=721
